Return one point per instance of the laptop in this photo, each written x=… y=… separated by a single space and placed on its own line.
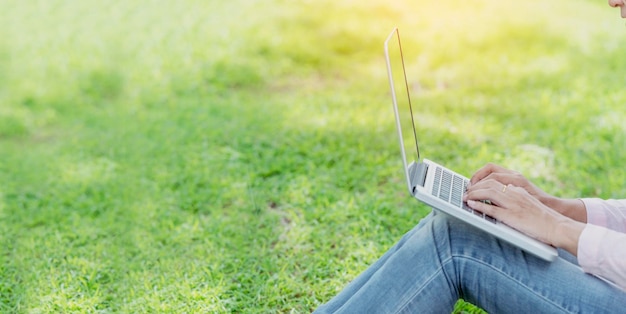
x=431 y=183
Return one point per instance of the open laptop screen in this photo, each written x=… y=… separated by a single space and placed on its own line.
x=402 y=101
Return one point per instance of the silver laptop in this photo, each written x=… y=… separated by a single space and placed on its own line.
x=431 y=183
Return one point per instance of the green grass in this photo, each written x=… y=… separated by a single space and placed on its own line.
x=235 y=156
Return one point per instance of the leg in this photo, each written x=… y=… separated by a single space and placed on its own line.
x=443 y=259
x=407 y=268
x=503 y=279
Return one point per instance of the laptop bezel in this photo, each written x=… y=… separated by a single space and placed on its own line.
x=391 y=80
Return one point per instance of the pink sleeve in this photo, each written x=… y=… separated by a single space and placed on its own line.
x=606 y=213
x=602 y=252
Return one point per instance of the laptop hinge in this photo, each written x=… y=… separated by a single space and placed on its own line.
x=417 y=174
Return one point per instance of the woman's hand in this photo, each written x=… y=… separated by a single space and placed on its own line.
x=572 y=208
x=520 y=209
x=507 y=176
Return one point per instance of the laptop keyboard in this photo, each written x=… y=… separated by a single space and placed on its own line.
x=450 y=188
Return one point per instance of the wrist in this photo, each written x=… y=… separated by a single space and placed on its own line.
x=566 y=235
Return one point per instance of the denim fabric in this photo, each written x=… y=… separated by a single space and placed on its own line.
x=443 y=259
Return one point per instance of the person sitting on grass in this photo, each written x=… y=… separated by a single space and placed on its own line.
x=443 y=259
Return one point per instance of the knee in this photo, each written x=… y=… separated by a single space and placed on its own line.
x=442 y=226
x=438 y=230
x=459 y=238
x=431 y=228
x=450 y=232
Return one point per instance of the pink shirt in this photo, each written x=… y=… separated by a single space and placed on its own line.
x=602 y=244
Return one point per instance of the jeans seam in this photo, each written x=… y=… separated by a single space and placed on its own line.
x=416 y=293
x=441 y=270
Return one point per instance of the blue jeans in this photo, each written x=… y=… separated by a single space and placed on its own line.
x=443 y=259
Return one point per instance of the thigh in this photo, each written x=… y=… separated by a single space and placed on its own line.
x=501 y=278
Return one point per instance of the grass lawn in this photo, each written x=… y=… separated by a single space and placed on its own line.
x=241 y=156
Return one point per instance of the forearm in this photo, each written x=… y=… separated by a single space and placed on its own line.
x=572 y=208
